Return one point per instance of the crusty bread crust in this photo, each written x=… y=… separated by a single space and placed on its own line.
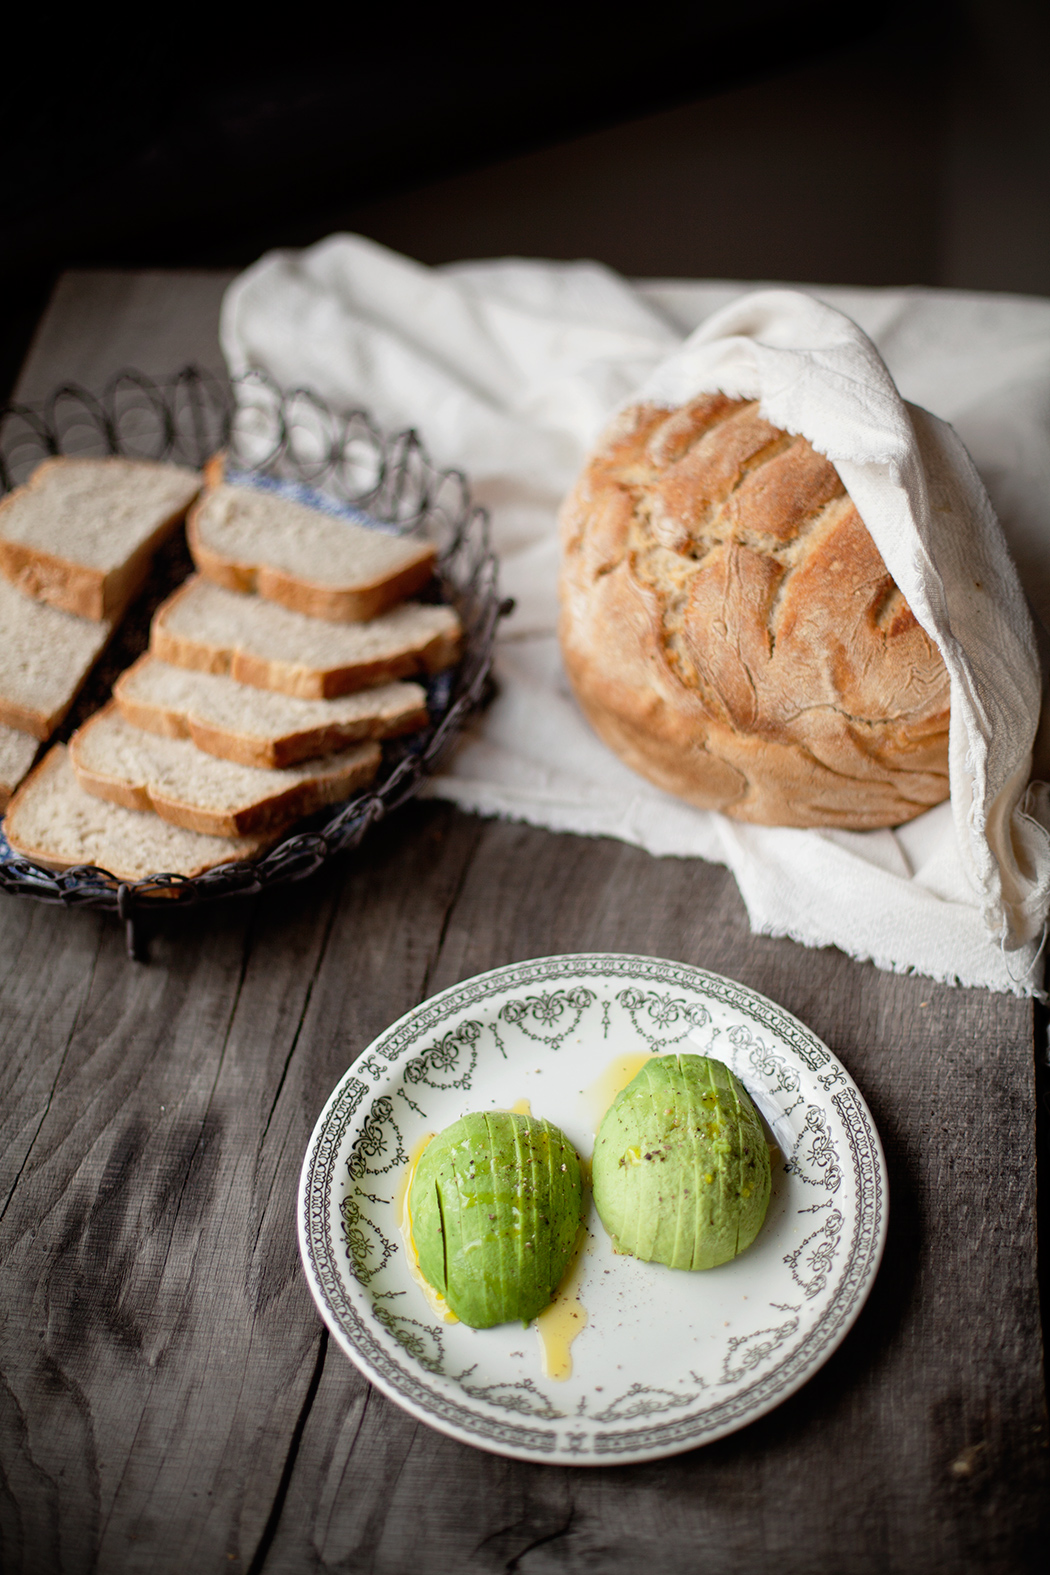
x=337 y=604
x=271 y=812
x=76 y=587
x=731 y=631
x=248 y=749
x=309 y=683
x=41 y=724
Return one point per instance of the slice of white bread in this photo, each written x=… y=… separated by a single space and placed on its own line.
x=81 y=532
x=183 y=785
x=257 y=642
x=251 y=540
x=17 y=750
x=45 y=655
x=258 y=727
x=53 y=822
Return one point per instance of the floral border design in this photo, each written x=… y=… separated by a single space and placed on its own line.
x=683 y=1432
x=443 y=1059
x=663 y=1012
x=547 y=1009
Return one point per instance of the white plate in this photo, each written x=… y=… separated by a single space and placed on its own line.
x=668 y=1359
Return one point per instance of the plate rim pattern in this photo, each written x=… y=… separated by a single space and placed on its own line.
x=322 y=1256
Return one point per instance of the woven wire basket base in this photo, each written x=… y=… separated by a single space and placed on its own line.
x=291 y=436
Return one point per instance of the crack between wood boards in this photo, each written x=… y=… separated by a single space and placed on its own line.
x=321 y=954
x=366 y=1399
x=435 y=957
x=275 y=1171
x=273 y=1520
x=245 y=957
x=58 y=1073
x=391 y=1484
x=513 y=1565
x=21 y=1442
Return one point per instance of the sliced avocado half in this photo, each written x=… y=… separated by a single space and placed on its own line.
x=681 y=1166
x=496 y=1204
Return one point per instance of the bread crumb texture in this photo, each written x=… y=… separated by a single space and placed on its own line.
x=250 y=526
x=255 y=641
x=16 y=756
x=191 y=788
x=53 y=822
x=95 y=512
x=260 y=727
x=732 y=632
x=45 y=655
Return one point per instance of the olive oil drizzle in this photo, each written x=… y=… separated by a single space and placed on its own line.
x=558 y=1325
x=623 y=1069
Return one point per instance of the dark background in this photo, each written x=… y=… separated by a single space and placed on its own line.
x=865 y=144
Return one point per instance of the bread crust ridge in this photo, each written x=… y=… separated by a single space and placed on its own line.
x=731 y=631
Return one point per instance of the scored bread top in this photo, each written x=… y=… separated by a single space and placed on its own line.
x=247 y=539
x=732 y=632
x=16 y=756
x=45 y=655
x=257 y=642
x=260 y=727
x=184 y=785
x=53 y=822
x=79 y=534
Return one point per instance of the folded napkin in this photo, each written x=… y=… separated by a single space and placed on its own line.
x=510 y=369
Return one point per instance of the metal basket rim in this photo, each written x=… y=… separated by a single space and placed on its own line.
x=297 y=853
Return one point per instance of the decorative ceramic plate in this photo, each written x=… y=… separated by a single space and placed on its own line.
x=666 y=1359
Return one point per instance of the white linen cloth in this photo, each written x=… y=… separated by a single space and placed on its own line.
x=511 y=368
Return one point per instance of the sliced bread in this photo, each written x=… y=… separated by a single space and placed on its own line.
x=52 y=821
x=183 y=785
x=251 y=540
x=256 y=642
x=45 y=655
x=81 y=532
x=258 y=727
x=16 y=756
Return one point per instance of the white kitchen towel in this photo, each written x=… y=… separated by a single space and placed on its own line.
x=510 y=369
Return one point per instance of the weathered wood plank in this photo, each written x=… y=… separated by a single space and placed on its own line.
x=921 y=1445
x=98 y=1243
x=127 y=1338
x=169 y=1400
x=159 y=1340
x=159 y=1337
x=45 y=972
x=100 y=321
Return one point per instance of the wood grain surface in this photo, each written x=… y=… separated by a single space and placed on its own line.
x=169 y=1400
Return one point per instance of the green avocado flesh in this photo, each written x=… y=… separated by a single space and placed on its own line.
x=496 y=1204
x=681 y=1166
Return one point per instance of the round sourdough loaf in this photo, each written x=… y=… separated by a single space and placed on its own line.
x=732 y=633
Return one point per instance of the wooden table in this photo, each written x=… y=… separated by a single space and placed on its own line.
x=170 y=1400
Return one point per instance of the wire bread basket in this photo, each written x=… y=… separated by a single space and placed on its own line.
x=293 y=439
